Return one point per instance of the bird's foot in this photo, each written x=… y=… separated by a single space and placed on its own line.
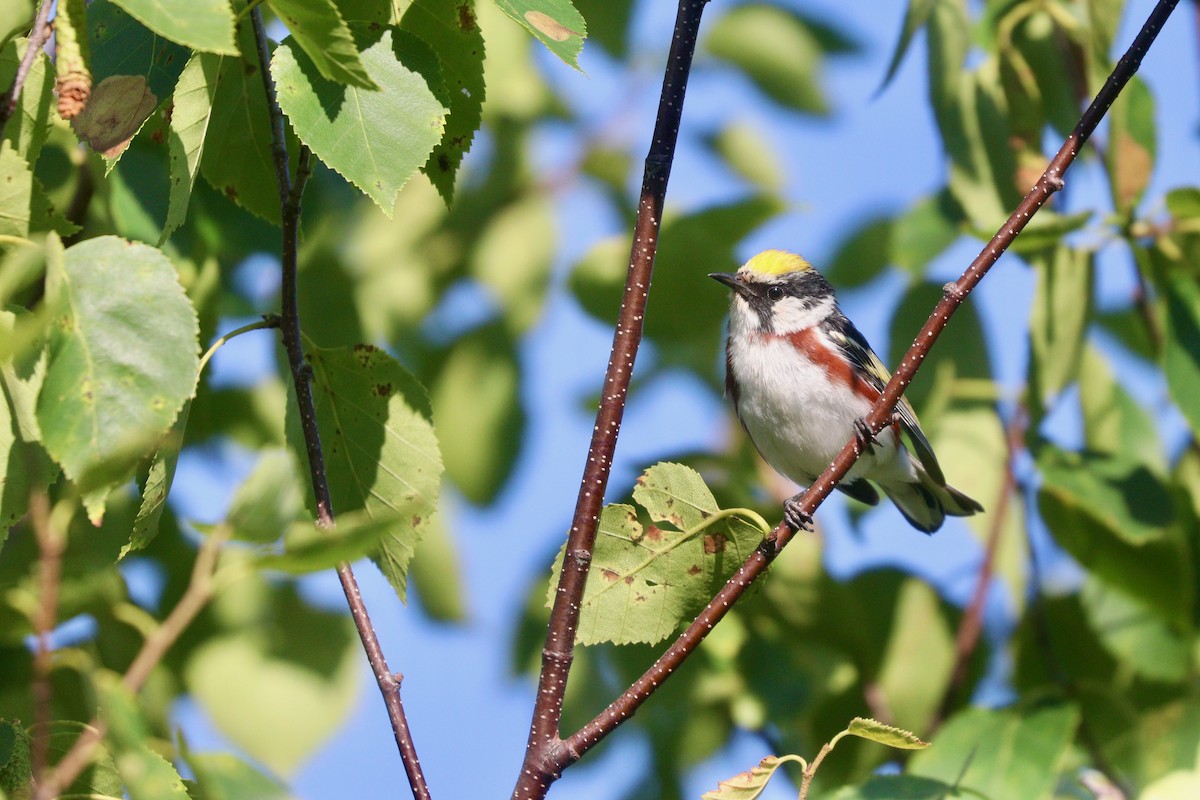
x=796 y=517
x=865 y=440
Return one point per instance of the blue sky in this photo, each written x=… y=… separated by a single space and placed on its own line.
x=876 y=153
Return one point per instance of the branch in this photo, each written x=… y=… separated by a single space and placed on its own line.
x=544 y=752
x=51 y=544
x=971 y=624
x=37 y=38
x=880 y=416
x=198 y=593
x=290 y=194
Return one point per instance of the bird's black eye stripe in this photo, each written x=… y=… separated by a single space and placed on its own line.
x=775 y=293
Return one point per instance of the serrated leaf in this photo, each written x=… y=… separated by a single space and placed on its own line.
x=381 y=453
x=376 y=140
x=556 y=24
x=453 y=32
x=308 y=548
x=644 y=582
x=100 y=778
x=190 y=120
x=1126 y=499
x=269 y=501
x=24 y=206
x=1010 y=753
x=319 y=29
x=158 y=486
x=237 y=156
x=749 y=784
x=123 y=358
x=1059 y=318
x=885 y=734
x=23 y=462
x=30 y=122
x=205 y=25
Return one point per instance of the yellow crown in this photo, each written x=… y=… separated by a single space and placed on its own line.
x=776 y=262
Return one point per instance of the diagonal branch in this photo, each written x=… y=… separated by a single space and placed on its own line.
x=955 y=292
x=290 y=193
x=544 y=752
x=37 y=38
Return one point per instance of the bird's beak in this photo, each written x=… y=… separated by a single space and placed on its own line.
x=731 y=280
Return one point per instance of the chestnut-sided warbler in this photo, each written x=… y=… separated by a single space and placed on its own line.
x=802 y=379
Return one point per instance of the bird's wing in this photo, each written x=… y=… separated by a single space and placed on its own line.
x=856 y=349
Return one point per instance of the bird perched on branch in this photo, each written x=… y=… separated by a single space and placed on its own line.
x=802 y=379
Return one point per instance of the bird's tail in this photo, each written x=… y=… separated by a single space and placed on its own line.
x=925 y=503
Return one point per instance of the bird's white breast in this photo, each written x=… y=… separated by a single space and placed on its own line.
x=798 y=417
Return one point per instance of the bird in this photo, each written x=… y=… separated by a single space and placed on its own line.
x=802 y=380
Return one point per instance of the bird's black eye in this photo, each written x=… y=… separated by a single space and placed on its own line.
x=775 y=293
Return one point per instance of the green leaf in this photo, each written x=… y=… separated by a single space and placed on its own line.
x=237 y=155
x=608 y=24
x=16 y=768
x=477 y=402
x=276 y=690
x=1011 y=753
x=896 y=787
x=158 y=486
x=1113 y=422
x=922 y=233
x=1044 y=231
x=205 y=25
x=224 y=776
x=556 y=24
x=748 y=153
x=779 y=51
x=645 y=581
x=453 y=32
x=269 y=500
x=376 y=140
x=123 y=359
x=1062 y=310
x=31 y=120
x=1129 y=156
x=1136 y=634
x=747 y=785
x=512 y=258
x=863 y=253
x=381 y=454
x=147 y=775
x=437 y=574
x=325 y=37
x=308 y=548
x=885 y=734
x=24 y=207
x=1126 y=499
x=916 y=15
x=913 y=688
x=1181 y=351
x=191 y=118
x=1175 y=785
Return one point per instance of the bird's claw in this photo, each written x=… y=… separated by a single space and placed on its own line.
x=795 y=516
x=862 y=434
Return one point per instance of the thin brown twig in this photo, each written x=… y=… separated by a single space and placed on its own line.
x=199 y=592
x=290 y=194
x=38 y=35
x=971 y=624
x=880 y=416
x=544 y=752
x=51 y=544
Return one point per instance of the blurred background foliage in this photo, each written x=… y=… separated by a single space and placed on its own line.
x=1086 y=457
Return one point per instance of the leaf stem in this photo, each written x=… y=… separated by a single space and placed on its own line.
x=628 y=703
x=545 y=755
x=290 y=193
x=269 y=322
x=37 y=38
